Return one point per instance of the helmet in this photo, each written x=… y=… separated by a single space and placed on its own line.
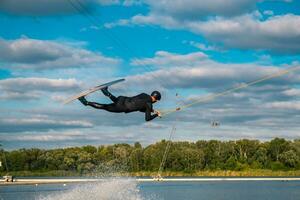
x=156 y=95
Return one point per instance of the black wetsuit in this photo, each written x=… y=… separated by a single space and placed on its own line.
x=141 y=102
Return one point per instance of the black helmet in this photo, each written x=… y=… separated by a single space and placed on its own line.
x=156 y=95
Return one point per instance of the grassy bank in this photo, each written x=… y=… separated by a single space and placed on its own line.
x=248 y=173
x=224 y=173
x=42 y=173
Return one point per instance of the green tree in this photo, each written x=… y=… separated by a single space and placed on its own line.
x=276 y=147
x=261 y=156
x=289 y=158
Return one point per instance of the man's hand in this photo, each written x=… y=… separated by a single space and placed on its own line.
x=158 y=113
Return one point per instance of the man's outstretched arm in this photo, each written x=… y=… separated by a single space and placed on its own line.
x=148 y=116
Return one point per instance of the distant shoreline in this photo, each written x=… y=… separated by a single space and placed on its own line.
x=64 y=181
x=278 y=157
x=208 y=173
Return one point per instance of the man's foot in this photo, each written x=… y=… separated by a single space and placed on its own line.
x=83 y=100
x=105 y=91
x=108 y=94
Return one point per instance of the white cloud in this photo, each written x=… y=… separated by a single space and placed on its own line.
x=244 y=29
x=163 y=58
x=34 y=54
x=292 y=92
x=40 y=138
x=51 y=136
x=162 y=20
x=58 y=98
x=291 y=105
x=35 y=84
x=202 y=46
x=33 y=88
x=196 y=70
x=197 y=9
x=39 y=124
x=276 y=34
x=242 y=114
x=22 y=96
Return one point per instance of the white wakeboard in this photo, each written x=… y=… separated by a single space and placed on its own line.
x=91 y=90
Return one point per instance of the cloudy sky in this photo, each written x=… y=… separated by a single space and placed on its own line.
x=52 y=49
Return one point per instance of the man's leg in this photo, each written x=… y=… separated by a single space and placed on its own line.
x=83 y=100
x=93 y=104
x=108 y=107
x=108 y=94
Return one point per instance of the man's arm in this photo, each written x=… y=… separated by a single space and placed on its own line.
x=148 y=116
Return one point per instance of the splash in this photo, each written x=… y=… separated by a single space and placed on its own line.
x=109 y=189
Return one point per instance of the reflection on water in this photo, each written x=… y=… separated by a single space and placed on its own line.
x=129 y=189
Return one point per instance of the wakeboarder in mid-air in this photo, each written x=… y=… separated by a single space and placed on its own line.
x=142 y=102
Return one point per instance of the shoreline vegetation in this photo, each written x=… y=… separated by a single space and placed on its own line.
x=213 y=158
x=217 y=173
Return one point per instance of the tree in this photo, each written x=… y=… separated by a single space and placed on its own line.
x=289 y=158
x=276 y=147
x=278 y=154
x=136 y=160
x=261 y=156
x=89 y=149
x=137 y=145
x=231 y=163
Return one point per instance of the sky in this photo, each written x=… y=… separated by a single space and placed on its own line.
x=53 y=49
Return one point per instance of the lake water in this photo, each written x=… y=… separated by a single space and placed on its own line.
x=128 y=189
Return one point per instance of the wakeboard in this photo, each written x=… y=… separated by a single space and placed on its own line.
x=91 y=90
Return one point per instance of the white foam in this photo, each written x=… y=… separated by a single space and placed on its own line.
x=110 y=189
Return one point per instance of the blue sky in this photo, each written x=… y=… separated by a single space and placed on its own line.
x=49 y=50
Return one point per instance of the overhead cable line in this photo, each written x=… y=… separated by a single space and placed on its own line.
x=242 y=86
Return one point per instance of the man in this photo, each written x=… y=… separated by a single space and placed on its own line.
x=142 y=102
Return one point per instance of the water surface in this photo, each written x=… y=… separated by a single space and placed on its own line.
x=123 y=189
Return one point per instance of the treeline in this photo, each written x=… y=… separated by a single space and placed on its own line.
x=277 y=154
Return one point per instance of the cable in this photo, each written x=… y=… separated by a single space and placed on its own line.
x=213 y=96
x=164 y=159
